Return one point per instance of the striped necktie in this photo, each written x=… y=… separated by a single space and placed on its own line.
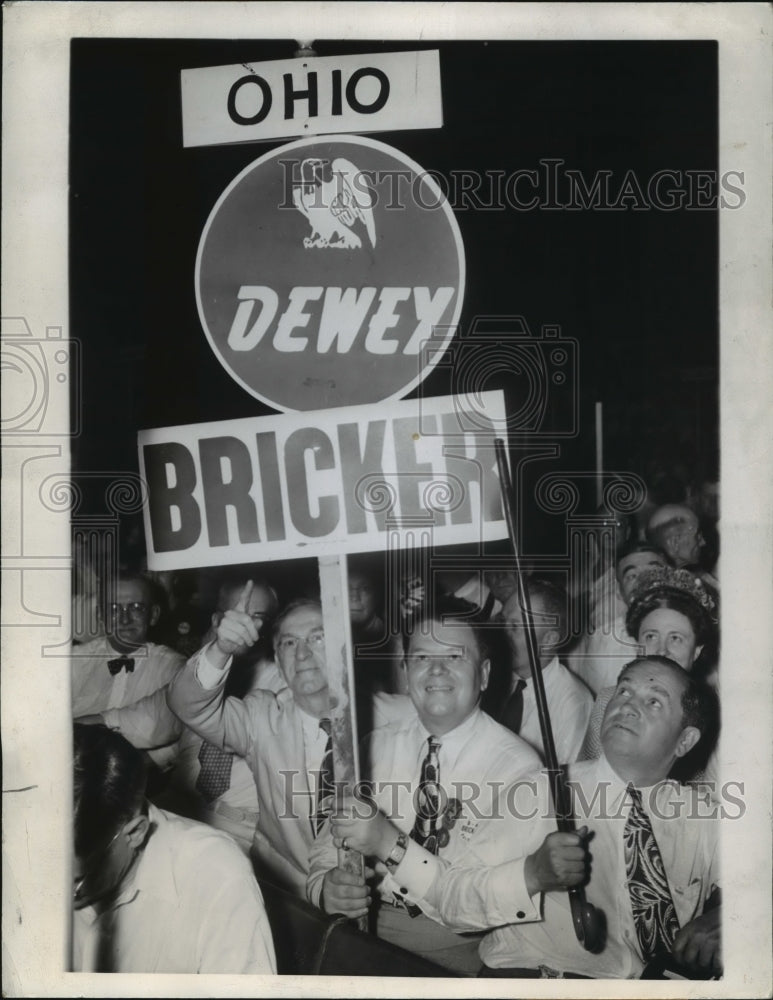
x=654 y=915
x=425 y=829
x=325 y=785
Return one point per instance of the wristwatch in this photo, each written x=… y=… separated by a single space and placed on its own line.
x=397 y=853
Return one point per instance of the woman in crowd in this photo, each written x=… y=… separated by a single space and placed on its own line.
x=671 y=614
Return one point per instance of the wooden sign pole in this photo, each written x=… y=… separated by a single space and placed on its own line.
x=334 y=590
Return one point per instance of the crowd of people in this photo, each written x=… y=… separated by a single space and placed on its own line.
x=204 y=765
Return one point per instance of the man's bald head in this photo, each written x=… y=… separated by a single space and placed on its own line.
x=675 y=528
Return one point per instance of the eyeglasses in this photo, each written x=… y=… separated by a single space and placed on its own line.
x=136 y=609
x=77 y=890
x=289 y=643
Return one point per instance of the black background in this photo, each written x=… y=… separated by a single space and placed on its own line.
x=637 y=289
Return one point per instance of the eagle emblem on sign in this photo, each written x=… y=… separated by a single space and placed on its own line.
x=335 y=203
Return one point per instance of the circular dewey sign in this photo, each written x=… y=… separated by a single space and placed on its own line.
x=330 y=273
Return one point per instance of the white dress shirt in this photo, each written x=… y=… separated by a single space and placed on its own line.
x=133 y=703
x=268 y=731
x=477 y=760
x=601 y=654
x=477 y=889
x=191 y=905
x=569 y=704
x=236 y=810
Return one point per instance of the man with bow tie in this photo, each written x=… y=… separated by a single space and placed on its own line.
x=120 y=678
x=435 y=774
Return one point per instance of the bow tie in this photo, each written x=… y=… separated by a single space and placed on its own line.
x=121 y=663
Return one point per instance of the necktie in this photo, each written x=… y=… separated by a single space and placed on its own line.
x=484 y=614
x=654 y=915
x=425 y=831
x=215 y=775
x=121 y=663
x=325 y=785
x=512 y=713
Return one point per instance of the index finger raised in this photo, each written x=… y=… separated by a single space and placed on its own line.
x=241 y=604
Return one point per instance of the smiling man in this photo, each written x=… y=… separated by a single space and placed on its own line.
x=435 y=776
x=282 y=736
x=652 y=862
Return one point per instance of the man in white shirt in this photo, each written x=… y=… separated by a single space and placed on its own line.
x=120 y=678
x=282 y=735
x=154 y=892
x=205 y=782
x=602 y=652
x=569 y=701
x=656 y=716
x=474 y=760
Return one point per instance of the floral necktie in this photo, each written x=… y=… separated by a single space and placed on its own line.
x=654 y=915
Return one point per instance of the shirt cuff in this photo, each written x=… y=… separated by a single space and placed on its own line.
x=417 y=871
x=112 y=719
x=208 y=675
x=511 y=902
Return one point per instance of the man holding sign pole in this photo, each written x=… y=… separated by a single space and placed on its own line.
x=284 y=737
x=436 y=775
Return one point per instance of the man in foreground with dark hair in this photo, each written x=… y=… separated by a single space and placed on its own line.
x=435 y=774
x=154 y=892
x=649 y=864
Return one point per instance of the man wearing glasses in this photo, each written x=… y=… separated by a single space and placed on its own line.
x=120 y=678
x=153 y=892
x=283 y=736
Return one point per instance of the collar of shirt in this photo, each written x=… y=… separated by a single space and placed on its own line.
x=149 y=879
x=548 y=674
x=139 y=653
x=451 y=743
x=654 y=797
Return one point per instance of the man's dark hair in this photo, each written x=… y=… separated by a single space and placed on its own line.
x=449 y=611
x=109 y=782
x=553 y=601
x=636 y=546
x=697 y=708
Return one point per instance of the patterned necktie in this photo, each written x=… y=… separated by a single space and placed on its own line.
x=121 y=663
x=215 y=775
x=654 y=915
x=325 y=785
x=512 y=713
x=425 y=829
